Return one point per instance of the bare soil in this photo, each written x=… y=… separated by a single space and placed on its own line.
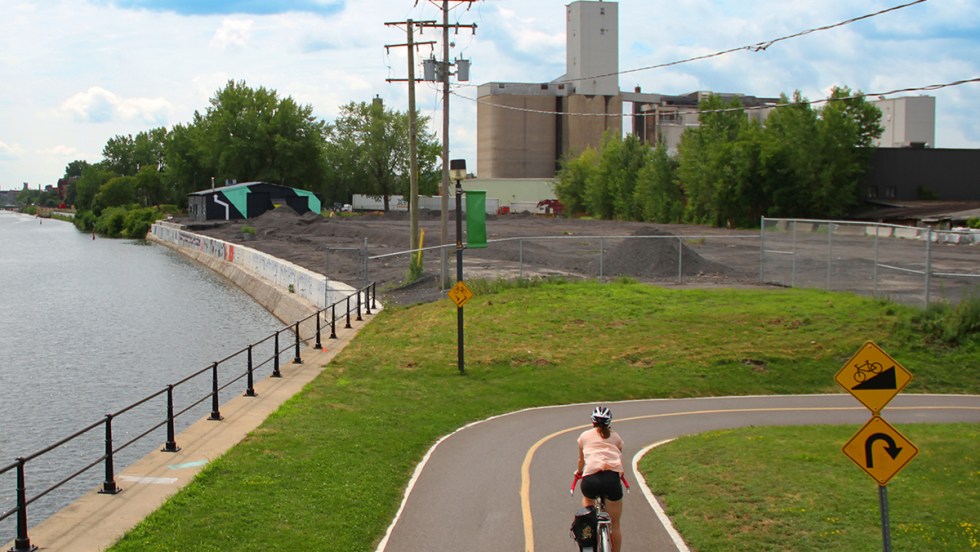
x=575 y=248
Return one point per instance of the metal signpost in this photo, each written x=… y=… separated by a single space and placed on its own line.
x=874 y=378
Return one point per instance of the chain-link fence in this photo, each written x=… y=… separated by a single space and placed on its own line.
x=905 y=264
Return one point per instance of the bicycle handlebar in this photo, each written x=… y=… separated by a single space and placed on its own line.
x=578 y=476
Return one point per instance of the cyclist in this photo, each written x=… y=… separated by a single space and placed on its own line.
x=600 y=465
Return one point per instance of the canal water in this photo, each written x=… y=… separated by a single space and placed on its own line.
x=91 y=326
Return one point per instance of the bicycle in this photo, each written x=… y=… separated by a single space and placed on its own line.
x=603 y=524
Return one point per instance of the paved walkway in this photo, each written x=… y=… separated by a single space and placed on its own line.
x=96 y=521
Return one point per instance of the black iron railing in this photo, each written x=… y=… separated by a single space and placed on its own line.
x=366 y=296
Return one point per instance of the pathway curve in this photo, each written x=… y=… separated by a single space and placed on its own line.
x=502 y=484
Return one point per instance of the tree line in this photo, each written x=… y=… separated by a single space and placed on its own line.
x=247 y=134
x=731 y=169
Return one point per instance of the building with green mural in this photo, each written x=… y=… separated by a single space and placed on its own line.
x=248 y=200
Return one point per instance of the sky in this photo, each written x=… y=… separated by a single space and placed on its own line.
x=75 y=73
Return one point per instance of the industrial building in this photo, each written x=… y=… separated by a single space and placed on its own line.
x=248 y=200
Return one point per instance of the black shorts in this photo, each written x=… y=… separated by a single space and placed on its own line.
x=604 y=483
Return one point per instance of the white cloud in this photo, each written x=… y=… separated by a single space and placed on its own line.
x=98 y=105
x=233 y=33
x=10 y=151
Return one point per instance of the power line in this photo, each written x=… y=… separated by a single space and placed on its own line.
x=757 y=47
x=729 y=109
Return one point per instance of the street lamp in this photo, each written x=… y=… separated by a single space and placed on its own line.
x=457 y=171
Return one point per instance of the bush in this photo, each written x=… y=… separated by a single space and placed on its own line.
x=111 y=222
x=138 y=221
x=941 y=323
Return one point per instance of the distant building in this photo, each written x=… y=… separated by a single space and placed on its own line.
x=248 y=200
x=524 y=130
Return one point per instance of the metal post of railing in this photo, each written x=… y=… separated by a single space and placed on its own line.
x=358 y=305
x=250 y=389
x=348 y=326
x=374 y=295
x=367 y=300
x=333 y=321
x=928 y=262
x=215 y=413
x=109 y=485
x=602 y=247
x=680 y=261
x=22 y=543
x=171 y=444
x=318 y=344
x=275 y=358
x=297 y=359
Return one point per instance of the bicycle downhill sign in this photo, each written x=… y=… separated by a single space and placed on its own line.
x=873 y=377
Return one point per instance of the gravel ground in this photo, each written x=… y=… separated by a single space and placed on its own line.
x=549 y=246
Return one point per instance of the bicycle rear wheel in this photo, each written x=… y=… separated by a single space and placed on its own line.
x=605 y=539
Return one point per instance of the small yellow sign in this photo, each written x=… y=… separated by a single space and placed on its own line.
x=873 y=377
x=880 y=450
x=460 y=294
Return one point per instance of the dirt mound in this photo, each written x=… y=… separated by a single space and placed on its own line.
x=655 y=254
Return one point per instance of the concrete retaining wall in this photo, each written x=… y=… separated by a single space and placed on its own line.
x=265 y=278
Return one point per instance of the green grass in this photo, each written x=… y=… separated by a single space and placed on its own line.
x=795 y=490
x=349 y=442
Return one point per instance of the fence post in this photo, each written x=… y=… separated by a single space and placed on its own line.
x=374 y=295
x=348 y=326
x=318 y=344
x=109 y=485
x=215 y=413
x=602 y=247
x=358 y=305
x=333 y=321
x=792 y=282
x=275 y=358
x=928 y=262
x=874 y=270
x=22 y=543
x=520 y=259
x=680 y=260
x=250 y=390
x=762 y=251
x=367 y=300
x=171 y=444
x=830 y=251
x=297 y=359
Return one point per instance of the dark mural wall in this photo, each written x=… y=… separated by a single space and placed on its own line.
x=914 y=174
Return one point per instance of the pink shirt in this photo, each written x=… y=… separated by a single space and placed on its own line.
x=601 y=454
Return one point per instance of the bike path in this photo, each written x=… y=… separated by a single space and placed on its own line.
x=502 y=484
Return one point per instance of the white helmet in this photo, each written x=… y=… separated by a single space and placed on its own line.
x=601 y=415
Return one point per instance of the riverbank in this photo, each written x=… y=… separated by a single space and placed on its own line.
x=96 y=520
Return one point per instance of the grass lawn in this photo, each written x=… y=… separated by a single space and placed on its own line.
x=791 y=488
x=349 y=442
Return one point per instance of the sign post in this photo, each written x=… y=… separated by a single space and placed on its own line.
x=874 y=378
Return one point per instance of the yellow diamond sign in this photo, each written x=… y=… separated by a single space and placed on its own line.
x=460 y=294
x=873 y=377
x=880 y=450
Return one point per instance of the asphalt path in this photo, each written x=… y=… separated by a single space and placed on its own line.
x=503 y=483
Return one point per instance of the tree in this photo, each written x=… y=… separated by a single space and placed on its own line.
x=75 y=168
x=572 y=177
x=251 y=134
x=610 y=191
x=368 y=151
x=658 y=196
x=117 y=192
x=88 y=184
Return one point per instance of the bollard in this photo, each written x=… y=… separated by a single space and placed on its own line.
x=333 y=321
x=215 y=413
x=250 y=391
x=171 y=445
x=22 y=543
x=275 y=359
x=297 y=359
x=109 y=485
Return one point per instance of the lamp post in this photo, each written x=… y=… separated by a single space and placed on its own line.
x=457 y=170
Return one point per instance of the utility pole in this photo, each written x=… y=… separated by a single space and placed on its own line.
x=444 y=189
x=413 y=200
